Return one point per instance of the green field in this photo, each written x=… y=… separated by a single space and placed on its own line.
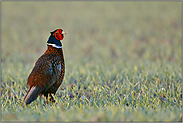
x=123 y=60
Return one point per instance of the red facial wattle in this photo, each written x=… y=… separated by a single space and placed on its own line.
x=58 y=35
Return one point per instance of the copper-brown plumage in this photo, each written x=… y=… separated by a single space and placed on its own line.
x=48 y=72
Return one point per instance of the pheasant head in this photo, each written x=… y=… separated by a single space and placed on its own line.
x=55 y=38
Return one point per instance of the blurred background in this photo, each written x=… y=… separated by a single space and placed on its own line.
x=98 y=33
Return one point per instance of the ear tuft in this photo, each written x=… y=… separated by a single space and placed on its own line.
x=52 y=33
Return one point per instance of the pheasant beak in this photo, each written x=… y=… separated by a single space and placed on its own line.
x=64 y=32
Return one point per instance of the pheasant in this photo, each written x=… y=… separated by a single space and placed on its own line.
x=48 y=72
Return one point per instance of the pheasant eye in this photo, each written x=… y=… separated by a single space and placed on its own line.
x=60 y=31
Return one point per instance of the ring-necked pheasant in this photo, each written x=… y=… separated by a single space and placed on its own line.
x=48 y=72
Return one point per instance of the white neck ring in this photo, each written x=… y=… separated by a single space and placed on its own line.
x=54 y=45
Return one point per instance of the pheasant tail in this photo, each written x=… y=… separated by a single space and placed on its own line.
x=31 y=95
